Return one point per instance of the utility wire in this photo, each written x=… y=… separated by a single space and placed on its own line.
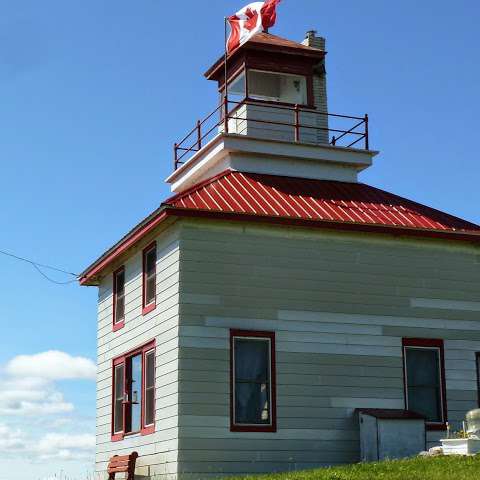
x=39 y=266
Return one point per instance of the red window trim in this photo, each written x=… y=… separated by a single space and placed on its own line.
x=428 y=343
x=145 y=429
x=153 y=305
x=273 y=400
x=118 y=325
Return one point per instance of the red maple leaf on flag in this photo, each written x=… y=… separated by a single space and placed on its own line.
x=252 y=16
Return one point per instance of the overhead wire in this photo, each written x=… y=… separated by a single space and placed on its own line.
x=38 y=267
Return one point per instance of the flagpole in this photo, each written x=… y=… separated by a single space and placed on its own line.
x=225 y=82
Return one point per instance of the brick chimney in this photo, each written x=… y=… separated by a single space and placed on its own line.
x=319 y=84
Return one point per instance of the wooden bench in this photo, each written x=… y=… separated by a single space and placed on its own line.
x=122 y=464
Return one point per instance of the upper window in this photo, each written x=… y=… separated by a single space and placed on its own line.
x=149 y=278
x=277 y=87
x=119 y=298
x=133 y=399
x=253 y=381
x=424 y=379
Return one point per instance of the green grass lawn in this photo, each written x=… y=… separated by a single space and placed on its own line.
x=431 y=468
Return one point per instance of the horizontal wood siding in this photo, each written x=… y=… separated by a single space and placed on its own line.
x=340 y=305
x=158 y=452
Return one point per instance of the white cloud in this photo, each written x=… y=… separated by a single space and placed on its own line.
x=65 y=447
x=52 y=365
x=11 y=441
x=31 y=396
x=37 y=425
x=15 y=443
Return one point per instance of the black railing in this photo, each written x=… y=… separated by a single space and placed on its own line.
x=342 y=135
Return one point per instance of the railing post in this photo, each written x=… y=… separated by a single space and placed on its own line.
x=225 y=113
x=367 y=142
x=297 y=124
x=199 y=134
x=334 y=140
x=175 y=156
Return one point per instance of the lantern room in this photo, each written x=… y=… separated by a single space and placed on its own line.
x=272 y=118
x=270 y=82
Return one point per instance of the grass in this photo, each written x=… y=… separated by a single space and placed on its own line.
x=430 y=468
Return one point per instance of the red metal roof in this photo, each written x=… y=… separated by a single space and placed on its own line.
x=269 y=43
x=244 y=196
x=314 y=200
x=263 y=38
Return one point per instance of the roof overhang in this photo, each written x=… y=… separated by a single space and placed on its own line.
x=165 y=213
x=268 y=44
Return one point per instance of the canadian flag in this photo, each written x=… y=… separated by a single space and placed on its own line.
x=255 y=17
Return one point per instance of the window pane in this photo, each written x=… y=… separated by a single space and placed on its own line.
x=150 y=275
x=150 y=388
x=150 y=291
x=237 y=87
x=135 y=396
x=252 y=381
x=120 y=282
x=118 y=399
x=423 y=382
x=119 y=291
x=120 y=309
x=151 y=260
x=277 y=87
x=150 y=369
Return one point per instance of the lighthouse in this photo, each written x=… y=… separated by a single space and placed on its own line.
x=275 y=313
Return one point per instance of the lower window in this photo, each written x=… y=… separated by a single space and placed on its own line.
x=425 y=380
x=134 y=393
x=252 y=357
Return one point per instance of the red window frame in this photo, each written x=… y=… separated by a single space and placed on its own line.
x=118 y=325
x=147 y=308
x=272 y=427
x=123 y=359
x=428 y=343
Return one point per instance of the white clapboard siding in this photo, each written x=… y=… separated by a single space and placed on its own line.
x=339 y=305
x=159 y=451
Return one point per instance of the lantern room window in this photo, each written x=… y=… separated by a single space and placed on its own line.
x=237 y=88
x=277 y=87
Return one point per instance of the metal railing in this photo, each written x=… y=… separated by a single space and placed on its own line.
x=342 y=135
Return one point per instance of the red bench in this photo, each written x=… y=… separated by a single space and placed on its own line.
x=122 y=464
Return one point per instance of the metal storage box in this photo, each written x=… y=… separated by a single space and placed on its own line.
x=390 y=434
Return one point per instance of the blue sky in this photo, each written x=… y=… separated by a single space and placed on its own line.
x=92 y=97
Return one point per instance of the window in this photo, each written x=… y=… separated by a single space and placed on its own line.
x=118 y=396
x=149 y=278
x=236 y=88
x=119 y=299
x=277 y=87
x=425 y=380
x=134 y=393
x=252 y=358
